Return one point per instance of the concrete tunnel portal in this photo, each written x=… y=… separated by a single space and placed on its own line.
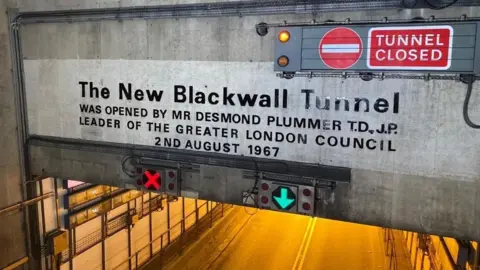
x=115 y=102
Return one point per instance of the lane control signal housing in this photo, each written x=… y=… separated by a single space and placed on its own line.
x=286 y=197
x=159 y=180
x=171 y=182
x=306 y=200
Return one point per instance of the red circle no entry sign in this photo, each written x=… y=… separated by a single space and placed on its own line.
x=340 y=48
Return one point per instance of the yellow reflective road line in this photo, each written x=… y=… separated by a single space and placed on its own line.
x=307 y=244
x=305 y=237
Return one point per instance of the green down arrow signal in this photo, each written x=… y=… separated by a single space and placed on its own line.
x=283 y=201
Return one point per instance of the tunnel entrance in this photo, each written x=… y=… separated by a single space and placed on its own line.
x=114 y=228
x=250 y=238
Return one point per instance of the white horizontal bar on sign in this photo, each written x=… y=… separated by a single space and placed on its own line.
x=340 y=48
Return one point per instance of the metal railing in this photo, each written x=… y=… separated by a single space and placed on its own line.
x=16 y=265
x=143 y=255
x=390 y=250
x=117 y=224
x=22 y=204
x=425 y=242
x=175 y=233
x=113 y=226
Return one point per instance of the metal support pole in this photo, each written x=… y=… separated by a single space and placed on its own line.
x=150 y=223
x=416 y=253
x=141 y=204
x=135 y=207
x=44 y=230
x=74 y=241
x=183 y=214
x=168 y=222
x=181 y=237
x=103 y=240
x=129 y=236
x=70 y=248
x=211 y=213
x=476 y=263
x=453 y=264
x=57 y=204
x=57 y=214
x=42 y=206
x=160 y=253
x=423 y=258
x=196 y=211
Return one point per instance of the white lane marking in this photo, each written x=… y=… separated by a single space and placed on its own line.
x=307 y=244
x=340 y=48
x=306 y=236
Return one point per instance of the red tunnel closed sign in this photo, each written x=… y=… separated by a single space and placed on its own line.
x=417 y=47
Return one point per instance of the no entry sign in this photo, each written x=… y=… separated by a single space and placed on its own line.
x=340 y=48
x=421 y=47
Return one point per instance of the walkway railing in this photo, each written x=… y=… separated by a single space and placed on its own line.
x=390 y=250
x=175 y=233
x=113 y=226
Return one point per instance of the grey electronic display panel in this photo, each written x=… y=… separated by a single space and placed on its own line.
x=419 y=47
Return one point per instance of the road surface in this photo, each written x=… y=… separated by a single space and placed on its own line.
x=277 y=241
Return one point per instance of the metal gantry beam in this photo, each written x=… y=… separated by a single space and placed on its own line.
x=222 y=9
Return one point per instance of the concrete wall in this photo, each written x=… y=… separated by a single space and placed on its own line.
x=13 y=236
x=90 y=259
x=116 y=249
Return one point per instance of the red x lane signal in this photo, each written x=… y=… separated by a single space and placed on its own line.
x=152 y=180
